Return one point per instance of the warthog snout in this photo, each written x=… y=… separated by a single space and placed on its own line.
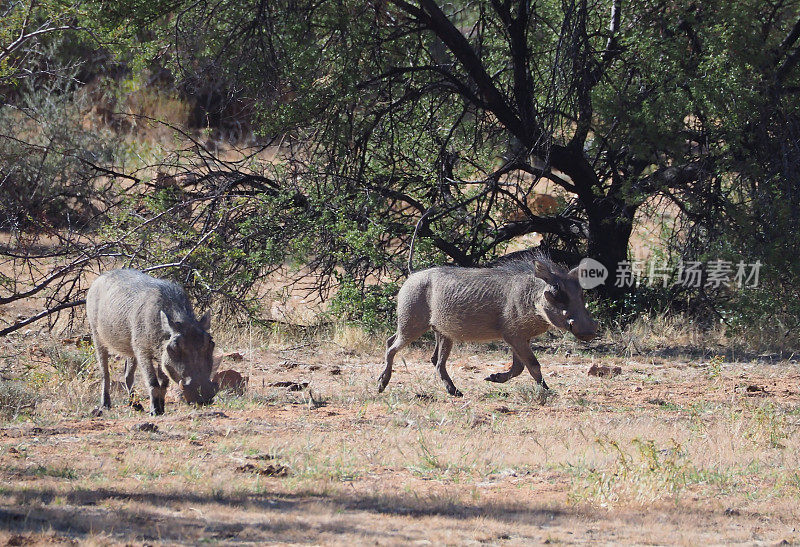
x=585 y=332
x=199 y=393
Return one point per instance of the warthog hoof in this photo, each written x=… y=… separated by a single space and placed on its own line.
x=455 y=392
x=497 y=377
x=544 y=385
x=383 y=381
x=157 y=408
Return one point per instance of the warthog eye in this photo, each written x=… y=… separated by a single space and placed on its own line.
x=174 y=348
x=555 y=295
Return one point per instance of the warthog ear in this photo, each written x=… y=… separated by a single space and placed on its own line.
x=542 y=271
x=167 y=325
x=575 y=272
x=205 y=321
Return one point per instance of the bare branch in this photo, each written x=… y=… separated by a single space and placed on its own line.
x=41 y=315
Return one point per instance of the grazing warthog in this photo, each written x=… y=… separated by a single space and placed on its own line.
x=144 y=318
x=514 y=302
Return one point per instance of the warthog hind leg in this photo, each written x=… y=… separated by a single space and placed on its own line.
x=516 y=369
x=444 y=345
x=407 y=332
x=130 y=375
x=394 y=344
x=102 y=361
x=522 y=351
x=435 y=356
x=130 y=371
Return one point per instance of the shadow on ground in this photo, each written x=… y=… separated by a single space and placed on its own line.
x=153 y=516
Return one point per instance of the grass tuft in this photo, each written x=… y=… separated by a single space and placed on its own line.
x=17 y=397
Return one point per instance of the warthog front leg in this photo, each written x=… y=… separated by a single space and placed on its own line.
x=153 y=383
x=536 y=371
x=522 y=350
x=102 y=361
x=443 y=347
x=163 y=381
x=516 y=369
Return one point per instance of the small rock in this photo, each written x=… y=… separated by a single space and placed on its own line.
x=504 y=410
x=15 y=541
x=79 y=341
x=210 y=414
x=234 y=356
x=260 y=457
x=291 y=386
x=231 y=381
x=271 y=470
x=603 y=371
x=146 y=426
x=755 y=391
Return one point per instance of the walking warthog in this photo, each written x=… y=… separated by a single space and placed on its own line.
x=144 y=318
x=513 y=301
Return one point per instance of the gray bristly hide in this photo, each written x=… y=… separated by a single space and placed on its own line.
x=144 y=319
x=512 y=302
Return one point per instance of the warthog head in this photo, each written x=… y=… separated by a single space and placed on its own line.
x=562 y=303
x=187 y=358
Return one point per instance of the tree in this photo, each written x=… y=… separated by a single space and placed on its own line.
x=494 y=97
x=399 y=118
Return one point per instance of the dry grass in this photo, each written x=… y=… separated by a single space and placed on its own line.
x=674 y=450
x=678 y=334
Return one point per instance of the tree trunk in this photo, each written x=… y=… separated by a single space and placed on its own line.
x=610 y=225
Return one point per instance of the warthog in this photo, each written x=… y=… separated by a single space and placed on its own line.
x=513 y=301
x=144 y=318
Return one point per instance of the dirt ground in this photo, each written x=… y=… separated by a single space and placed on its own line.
x=681 y=447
